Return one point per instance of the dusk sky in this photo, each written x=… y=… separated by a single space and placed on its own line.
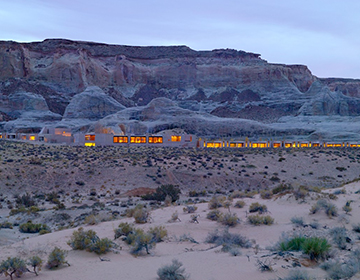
x=322 y=34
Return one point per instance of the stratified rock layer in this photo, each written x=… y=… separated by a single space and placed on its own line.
x=83 y=82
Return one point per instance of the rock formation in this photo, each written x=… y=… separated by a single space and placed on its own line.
x=79 y=83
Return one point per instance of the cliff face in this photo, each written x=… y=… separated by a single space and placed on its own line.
x=57 y=76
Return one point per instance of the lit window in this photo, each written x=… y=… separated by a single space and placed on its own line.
x=175 y=138
x=90 y=137
x=90 y=144
x=316 y=145
x=155 y=139
x=288 y=145
x=276 y=145
x=138 y=139
x=232 y=145
x=32 y=138
x=121 y=139
x=23 y=137
x=304 y=145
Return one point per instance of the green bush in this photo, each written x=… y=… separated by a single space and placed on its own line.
x=13 y=266
x=56 y=258
x=260 y=220
x=281 y=188
x=139 y=241
x=141 y=214
x=214 y=215
x=294 y=244
x=124 y=229
x=6 y=225
x=266 y=194
x=229 y=219
x=29 y=227
x=257 y=207
x=173 y=271
x=89 y=241
x=36 y=263
x=158 y=233
x=216 y=202
x=25 y=200
x=315 y=247
x=164 y=190
x=239 y=204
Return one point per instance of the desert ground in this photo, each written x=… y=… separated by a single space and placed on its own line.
x=96 y=188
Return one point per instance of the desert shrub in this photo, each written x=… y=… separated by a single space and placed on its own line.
x=216 y=202
x=29 y=227
x=281 y=188
x=227 y=239
x=314 y=225
x=22 y=209
x=141 y=214
x=13 y=266
x=260 y=220
x=91 y=220
x=316 y=247
x=345 y=270
x=6 y=225
x=197 y=194
x=139 y=241
x=340 y=237
x=257 y=207
x=36 y=263
x=57 y=258
x=172 y=271
x=329 y=208
x=124 y=229
x=229 y=219
x=25 y=200
x=174 y=217
x=161 y=192
x=356 y=228
x=190 y=209
x=293 y=244
x=347 y=208
x=298 y=275
x=239 y=204
x=214 y=215
x=44 y=231
x=102 y=246
x=298 y=221
x=158 y=233
x=301 y=193
x=89 y=241
x=187 y=237
x=194 y=218
x=266 y=194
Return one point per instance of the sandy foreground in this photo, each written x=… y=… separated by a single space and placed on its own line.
x=202 y=261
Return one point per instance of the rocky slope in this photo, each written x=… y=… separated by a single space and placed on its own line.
x=62 y=82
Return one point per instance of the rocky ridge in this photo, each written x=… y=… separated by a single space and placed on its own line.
x=76 y=84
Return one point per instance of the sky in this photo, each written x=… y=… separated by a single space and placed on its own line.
x=322 y=34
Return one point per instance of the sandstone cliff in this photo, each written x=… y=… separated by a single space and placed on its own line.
x=55 y=79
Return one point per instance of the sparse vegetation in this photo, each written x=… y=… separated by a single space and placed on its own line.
x=174 y=271
x=317 y=248
x=260 y=220
x=164 y=190
x=329 y=208
x=257 y=207
x=29 y=227
x=56 y=258
x=89 y=241
x=229 y=219
x=214 y=215
x=13 y=266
